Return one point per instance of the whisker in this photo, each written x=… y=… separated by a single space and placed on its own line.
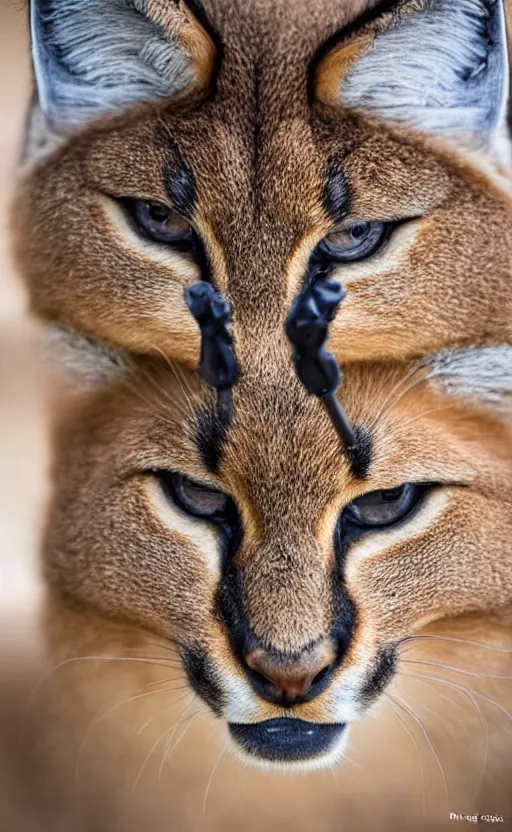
x=100 y=718
x=156 y=715
x=471 y=696
x=413 y=740
x=212 y=775
x=169 y=751
x=148 y=757
x=429 y=742
x=155 y=662
x=166 y=647
x=163 y=681
x=192 y=395
x=407 y=422
x=405 y=383
x=186 y=706
x=456 y=669
x=459 y=688
x=456 y=640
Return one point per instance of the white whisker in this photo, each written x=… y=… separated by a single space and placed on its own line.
x=456 y=640
x=457 y=669
x=155 y=662
x=413 y=740
x=429 y=742
x=212 y=775
x=101 y=717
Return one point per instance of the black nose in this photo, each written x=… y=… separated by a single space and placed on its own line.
x=286 y=740
x=288 y=681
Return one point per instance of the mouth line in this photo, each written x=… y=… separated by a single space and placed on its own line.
x=285 y=739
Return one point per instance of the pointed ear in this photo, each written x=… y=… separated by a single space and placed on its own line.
x=436 y=65
x=98 y=56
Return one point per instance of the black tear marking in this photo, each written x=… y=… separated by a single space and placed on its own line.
x=181 y=187
x=344 y=614
x=202 y=677
x=210 y=435
x=336 y=195
x=230 y=610
x=380 y=675
x=360 y=454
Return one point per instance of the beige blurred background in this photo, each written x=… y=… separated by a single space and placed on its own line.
x=23 y=450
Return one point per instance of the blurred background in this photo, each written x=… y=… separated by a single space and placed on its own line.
x=23 y=450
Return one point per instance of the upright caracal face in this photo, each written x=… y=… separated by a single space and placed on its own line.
x=258 y=144
x=285 y=577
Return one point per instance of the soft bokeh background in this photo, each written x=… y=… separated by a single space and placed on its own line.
x=23 y=450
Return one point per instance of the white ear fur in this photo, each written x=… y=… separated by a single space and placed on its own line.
x=482 y=374
x=96 y=56
x=443 y=69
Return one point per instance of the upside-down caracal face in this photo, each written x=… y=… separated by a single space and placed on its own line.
x=285 y=577
x=256 y=143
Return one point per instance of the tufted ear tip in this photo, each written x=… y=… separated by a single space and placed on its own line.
x=96 y=57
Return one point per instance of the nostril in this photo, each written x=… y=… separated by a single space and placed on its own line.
x=323 y=675
x=260 y=677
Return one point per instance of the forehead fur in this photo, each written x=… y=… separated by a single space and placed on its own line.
x=111 y=546
x=259 y=221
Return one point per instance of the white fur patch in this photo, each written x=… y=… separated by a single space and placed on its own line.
x=200 y=534
x=443 y=70
x=184 y=268
x=374 y=544
x=88 y=364
x=482 y=373
x=96 y=56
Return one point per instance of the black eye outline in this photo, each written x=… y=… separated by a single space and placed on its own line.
x=355 y=525
x=227 y=520
x=174 y=486
x=139 y=215
x=365 y=247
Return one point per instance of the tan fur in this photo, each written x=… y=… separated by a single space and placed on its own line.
x=260 y=154
x=290 y=482
x=124 y=567
x=92 y=736
x=124 y=582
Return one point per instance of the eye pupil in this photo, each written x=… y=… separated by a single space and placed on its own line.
x=161 y=224
x=386 y=507
x=357 y=242
x=359 y=230
x=158 y=213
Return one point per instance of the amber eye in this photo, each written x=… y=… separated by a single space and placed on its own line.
x=161 y=223
x=357 y=242
x=385 y=507
x=195 y=498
